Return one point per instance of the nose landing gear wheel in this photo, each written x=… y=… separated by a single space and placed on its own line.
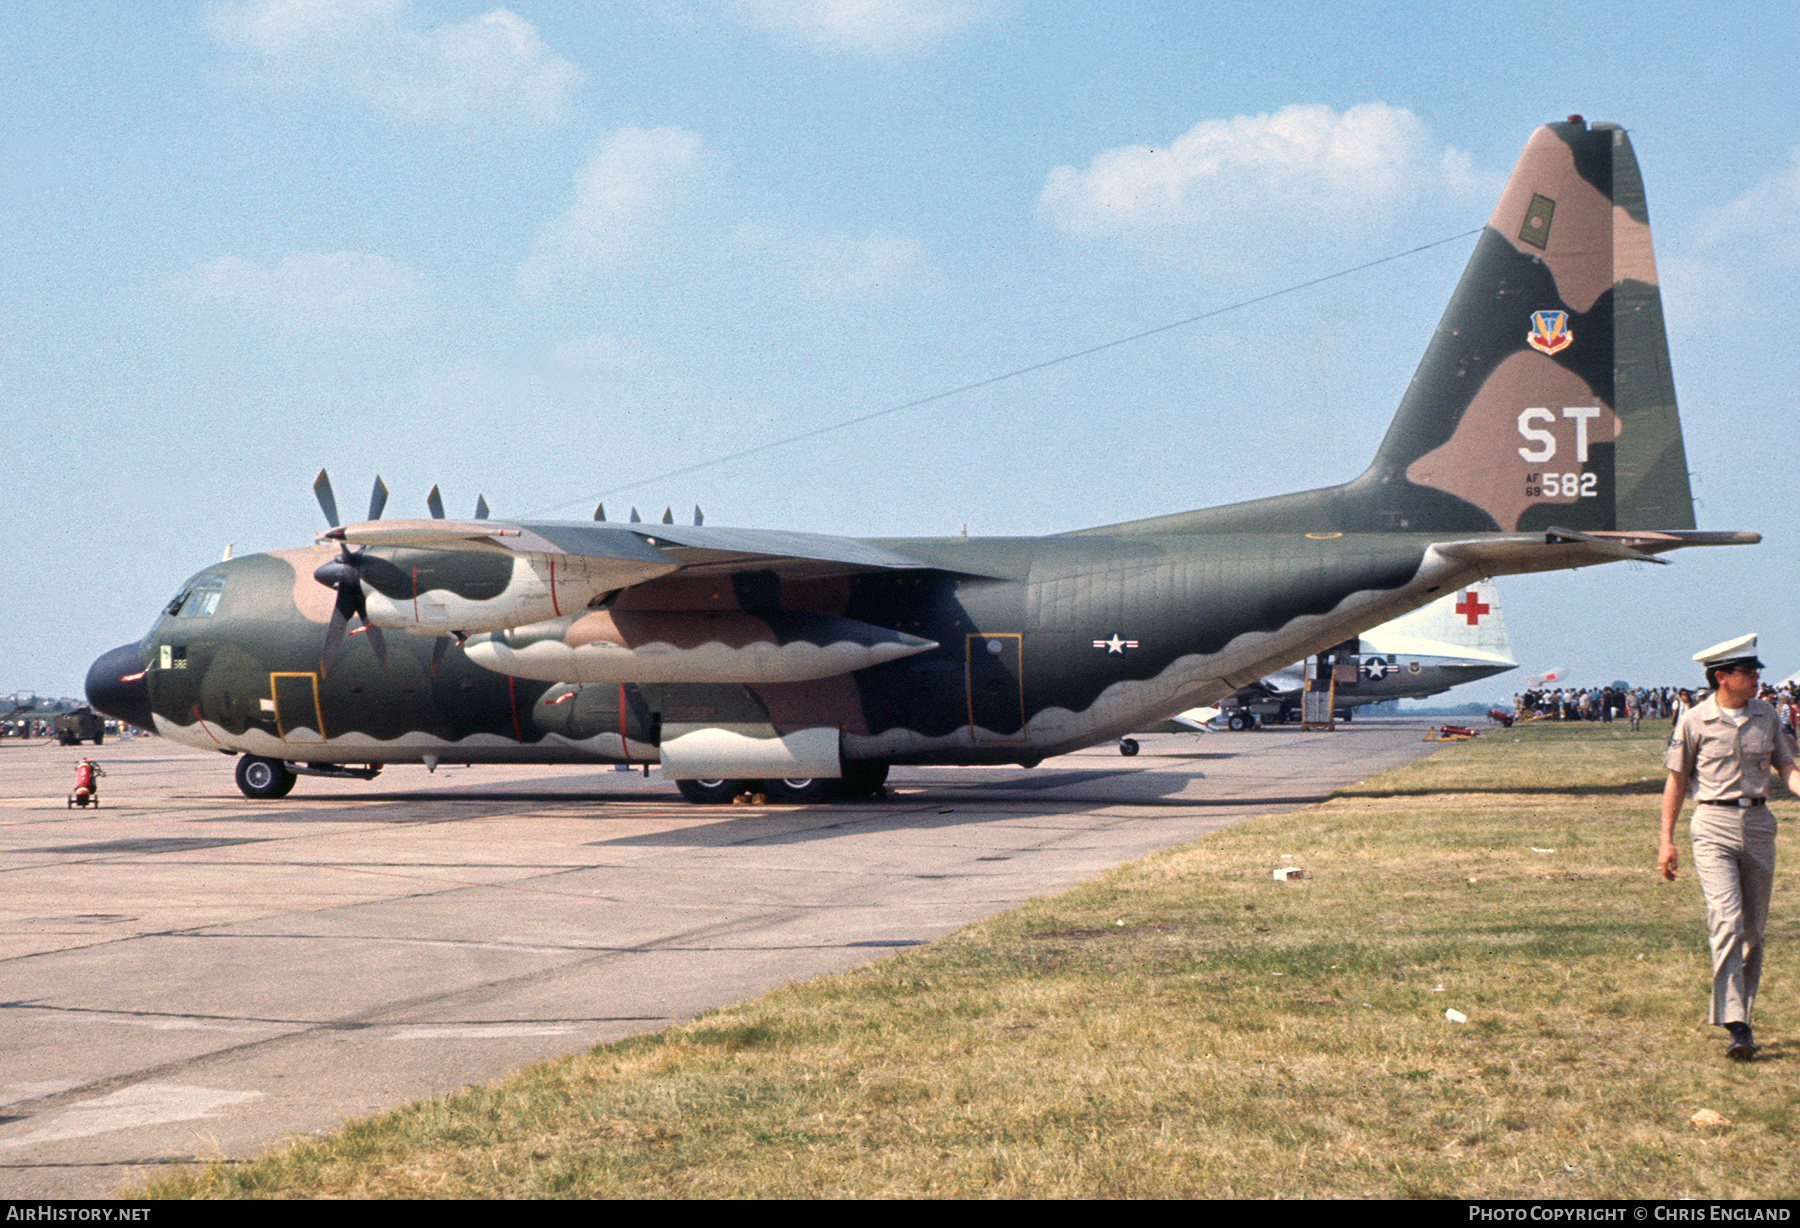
x=263 y=778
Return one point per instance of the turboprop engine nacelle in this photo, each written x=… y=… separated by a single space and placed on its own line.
x=712 y=646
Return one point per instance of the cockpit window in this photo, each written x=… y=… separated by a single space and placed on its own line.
x=199 y=599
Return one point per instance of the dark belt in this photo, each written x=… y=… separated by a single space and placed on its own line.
x=1744 y=802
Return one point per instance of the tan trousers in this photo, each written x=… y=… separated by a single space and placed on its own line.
x=1734 y=859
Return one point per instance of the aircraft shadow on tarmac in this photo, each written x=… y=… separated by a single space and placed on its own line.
x=146 y=846
x=317 y=809
x=941 y=799
x=915 y=811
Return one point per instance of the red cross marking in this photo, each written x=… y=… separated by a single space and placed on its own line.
x=1471 y=608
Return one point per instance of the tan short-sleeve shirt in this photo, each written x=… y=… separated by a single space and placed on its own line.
x=1726 y=761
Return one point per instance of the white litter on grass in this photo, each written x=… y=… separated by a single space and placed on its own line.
x=1534 y=848
x=1287 y=874
x=1455 y=1016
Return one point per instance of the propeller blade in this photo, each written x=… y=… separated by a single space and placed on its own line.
x=377 y=642
x=377 y=498
x=481 y=507
x=668 y=515
x=600 y=512
x=327 y=502
x=435 y=502
x=334 y=640
x=699 y=516
x=635 y=518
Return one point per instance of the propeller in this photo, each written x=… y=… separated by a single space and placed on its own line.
x=435 y=502
x=344 y=575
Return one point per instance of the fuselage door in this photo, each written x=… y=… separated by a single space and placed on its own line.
x=996 y=687
x=297 y=716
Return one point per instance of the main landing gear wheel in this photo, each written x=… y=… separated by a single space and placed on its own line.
x=711 y=792
x=862 y=779
x=802 y=792
x=1128 y=747
x=1241 y=721
x=264 y=778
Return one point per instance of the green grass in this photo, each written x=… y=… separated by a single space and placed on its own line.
x=1188 y=1027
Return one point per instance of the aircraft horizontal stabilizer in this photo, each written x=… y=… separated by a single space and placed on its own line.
x=1557 y=548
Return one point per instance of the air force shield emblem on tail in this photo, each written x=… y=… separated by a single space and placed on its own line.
x=1550 y=332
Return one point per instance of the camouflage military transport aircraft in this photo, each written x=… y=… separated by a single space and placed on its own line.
x=1540 y=432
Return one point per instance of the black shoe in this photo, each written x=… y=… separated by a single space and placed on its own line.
x=1742 y=1046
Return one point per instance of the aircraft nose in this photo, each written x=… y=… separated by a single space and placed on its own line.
x=116 y=686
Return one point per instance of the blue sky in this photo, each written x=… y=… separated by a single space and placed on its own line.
x=549 y=252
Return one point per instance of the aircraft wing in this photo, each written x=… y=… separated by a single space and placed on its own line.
x=685 y=548
x=707 y=550
x=484 y=575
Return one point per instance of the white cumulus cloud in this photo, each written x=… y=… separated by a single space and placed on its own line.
x=867 y=27
x=637 y=181
x=491 y=68
x=307 y=291
x=828 y=265
x=1227 y=181
x=840 y=264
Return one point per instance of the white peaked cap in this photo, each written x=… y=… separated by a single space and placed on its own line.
x=1743 y=648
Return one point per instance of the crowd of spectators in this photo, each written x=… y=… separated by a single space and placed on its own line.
x=1637 y=704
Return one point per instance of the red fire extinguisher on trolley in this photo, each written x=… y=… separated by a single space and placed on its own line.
x=87 y=784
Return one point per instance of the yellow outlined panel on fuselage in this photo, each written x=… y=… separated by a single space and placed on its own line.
x=295 y=701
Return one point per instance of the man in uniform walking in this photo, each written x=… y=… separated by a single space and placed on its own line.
x=1724 y=748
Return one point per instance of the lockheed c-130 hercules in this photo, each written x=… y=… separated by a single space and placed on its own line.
x=1540 y=432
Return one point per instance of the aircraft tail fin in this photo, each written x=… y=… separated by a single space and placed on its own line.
x=1466 y=624
x=1545 y=397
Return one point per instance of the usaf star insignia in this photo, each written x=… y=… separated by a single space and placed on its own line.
x=1115 y=644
